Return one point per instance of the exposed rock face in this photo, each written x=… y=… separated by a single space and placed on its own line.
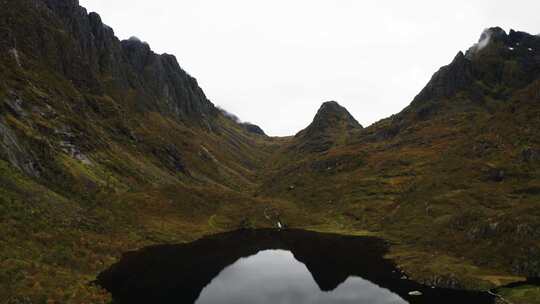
x=98 y=62
x=448 y=80
x=330 y=122
x=63 y=69
x=12 y=150
x=170 y=157
x=251 y=128
x=511 y=60
x=330 y=116
x=492 y=70
x=163 y=78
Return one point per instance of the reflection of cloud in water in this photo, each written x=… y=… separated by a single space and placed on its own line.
x=276 y=277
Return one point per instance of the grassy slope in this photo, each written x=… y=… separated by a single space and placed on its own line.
x=428 y=189
x=64 y=227
x=432 y=191
x=423 y=190
x=67 y=220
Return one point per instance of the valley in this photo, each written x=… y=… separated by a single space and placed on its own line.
x=107 y=147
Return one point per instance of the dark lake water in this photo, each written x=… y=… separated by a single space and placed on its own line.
x=270 y=267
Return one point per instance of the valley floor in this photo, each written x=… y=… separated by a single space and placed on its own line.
x=54 y=262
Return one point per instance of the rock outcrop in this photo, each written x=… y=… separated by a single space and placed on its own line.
x=86 y=51
x=331 y=125
x=252 y=128
x=490 y=72
x=448 y=80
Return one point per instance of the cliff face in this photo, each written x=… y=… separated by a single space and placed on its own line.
x=492 y=70
x=61 y=62
x=448 y=80
x=81 y=48
x=162 y=78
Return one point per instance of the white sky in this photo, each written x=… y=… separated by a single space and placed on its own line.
x=274 y=62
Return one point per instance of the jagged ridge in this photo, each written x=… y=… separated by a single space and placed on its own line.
x=495 y=67
x=107 y=146
x=97 y=60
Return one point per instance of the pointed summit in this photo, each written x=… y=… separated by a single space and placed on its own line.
x=491 y=70
x=332 y=124
x=330 y=118
x=332 y=109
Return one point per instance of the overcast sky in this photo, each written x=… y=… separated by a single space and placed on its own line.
x=274 y=62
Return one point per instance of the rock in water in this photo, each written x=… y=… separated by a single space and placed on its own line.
x=415 y=293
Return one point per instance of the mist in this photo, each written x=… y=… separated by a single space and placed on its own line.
x=484 y=41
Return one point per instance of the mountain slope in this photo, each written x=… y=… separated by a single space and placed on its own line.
x=455 y=174
x=106 y=146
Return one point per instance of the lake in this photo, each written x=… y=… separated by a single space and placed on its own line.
x=271 y=266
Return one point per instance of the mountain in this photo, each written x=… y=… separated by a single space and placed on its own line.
x=251 y=128
x=453 y=177
x=106 y=146
x=491 y=70
x=332 y=125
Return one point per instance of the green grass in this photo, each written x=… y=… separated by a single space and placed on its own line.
x=527 y=294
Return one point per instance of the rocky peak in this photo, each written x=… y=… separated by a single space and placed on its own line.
x=506 y=60
x=331 y=114
x=331 y=122
x=137 y=52
x=66 y=8
x=496 y=38
x=87 y=52
x=489 y=35
x=496 y=66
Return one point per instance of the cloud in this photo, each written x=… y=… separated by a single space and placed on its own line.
x=229 y=115
x=484 y=41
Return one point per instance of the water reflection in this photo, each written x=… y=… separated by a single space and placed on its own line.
x=275 y=276
x=270 y=266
